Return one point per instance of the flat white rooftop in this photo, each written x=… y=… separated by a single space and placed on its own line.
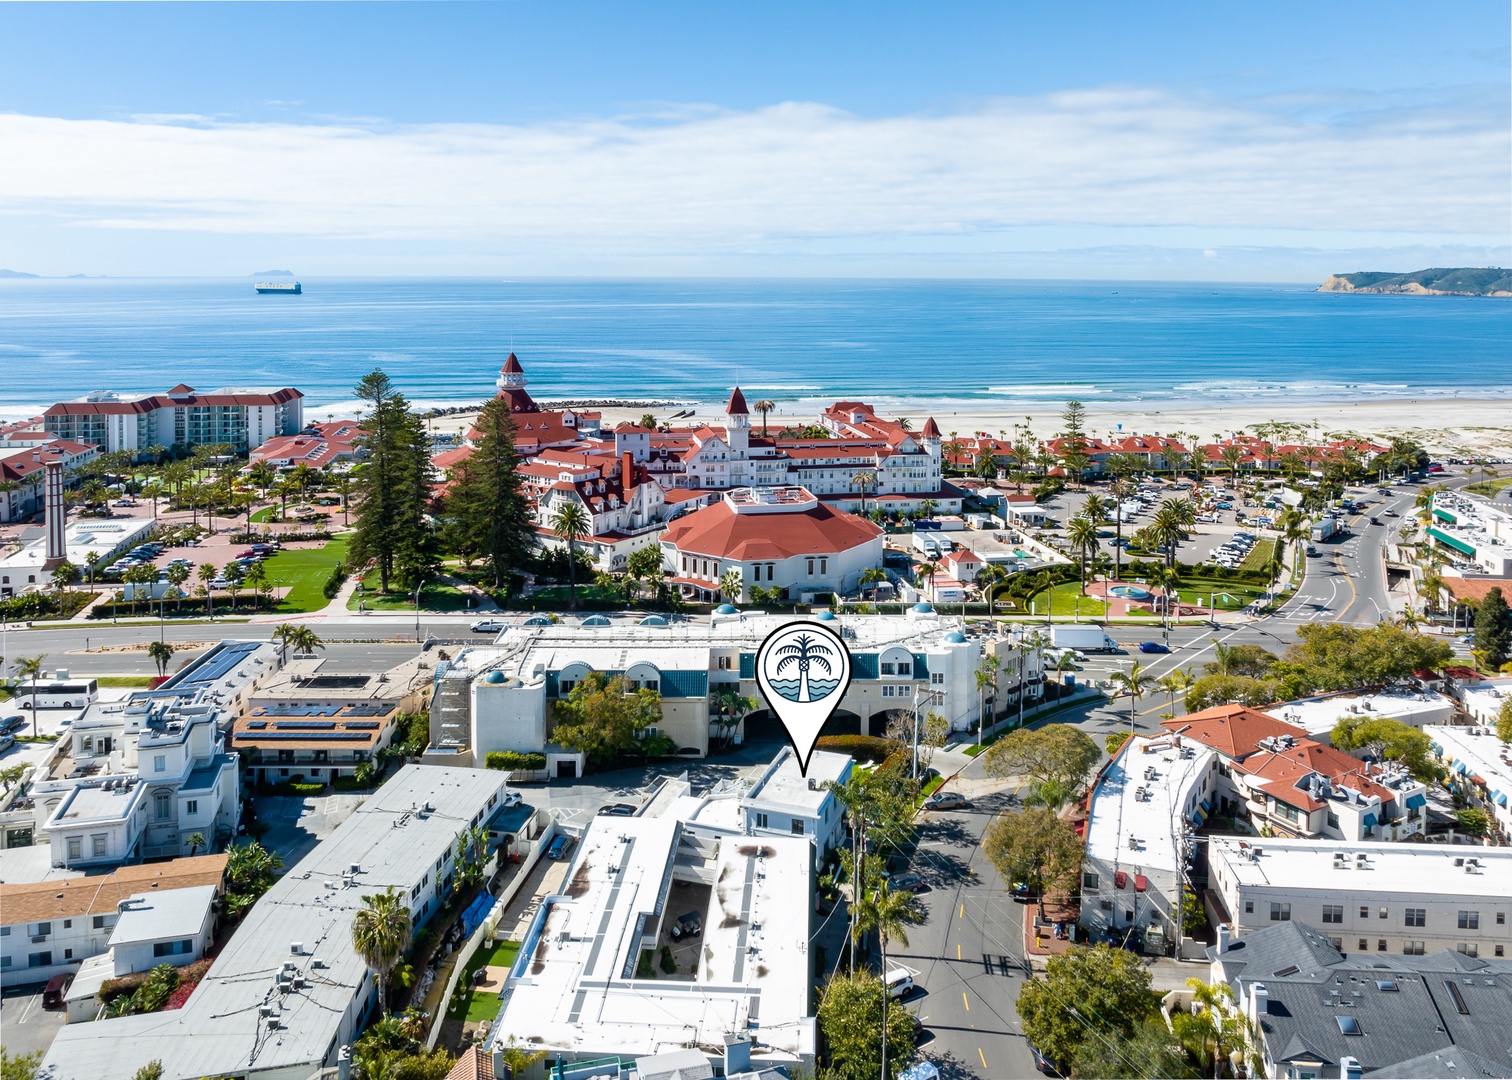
x=783 y=785
x=1480 y=755
x=1318 y=715
x=159 y=916
x=1426 y=870
x=1131 y=815
x=220 y=1031
x=101 y=537
x=574 y=987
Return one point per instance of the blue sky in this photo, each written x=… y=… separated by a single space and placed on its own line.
x=1270 y=142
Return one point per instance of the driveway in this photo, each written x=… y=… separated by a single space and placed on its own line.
x=297 y=824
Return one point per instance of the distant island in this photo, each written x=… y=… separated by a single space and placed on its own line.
x=16 y=273
x=273 y=273
x=1460 y=281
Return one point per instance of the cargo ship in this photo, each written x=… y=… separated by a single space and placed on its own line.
x=278 y=287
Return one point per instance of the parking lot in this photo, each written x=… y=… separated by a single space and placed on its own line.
x=1206 y=536
x=25 y=1026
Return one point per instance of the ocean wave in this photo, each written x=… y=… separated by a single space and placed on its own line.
x=1050 y=389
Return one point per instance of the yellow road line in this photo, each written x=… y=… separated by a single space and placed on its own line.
x=966 y=1000
x=962 y=914
x=958 y=953
x=1353 y=595
x=982 y=1056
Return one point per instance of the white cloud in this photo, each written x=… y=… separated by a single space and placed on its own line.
x=702 y=179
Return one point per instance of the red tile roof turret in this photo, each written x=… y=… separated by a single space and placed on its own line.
x=737 y=405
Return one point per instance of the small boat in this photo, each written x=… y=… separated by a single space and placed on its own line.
x=290 y=287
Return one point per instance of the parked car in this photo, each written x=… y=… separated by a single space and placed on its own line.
x=558 y=848
x=6 y=742
x=219 y=582
x=1043 y=1064
x=512 y=798
x=905 y=882
x=57 y=986
x=686 y=926
x=1152 y=647
x=487 y=626
x=12 y=723
x=945 y=800
x=617 y=810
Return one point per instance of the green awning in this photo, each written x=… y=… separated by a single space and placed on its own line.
x=1444 y=515
x=1444 y=538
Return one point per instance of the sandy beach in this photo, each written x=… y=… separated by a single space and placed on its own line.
x=1447 y=427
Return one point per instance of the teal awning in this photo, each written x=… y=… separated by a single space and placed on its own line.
x=1444 y=515
x=1416 y=799
x=1368 y=821
x=1444 y=538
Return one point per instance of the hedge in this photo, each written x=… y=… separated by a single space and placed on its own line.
x=111 y=989
x=508 y=760
x=867 y=748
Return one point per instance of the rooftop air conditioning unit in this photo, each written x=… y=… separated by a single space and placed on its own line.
x=272 y=1023
x=356 y=868
x=318 y=963
x=265 y=1010
x=297 y=948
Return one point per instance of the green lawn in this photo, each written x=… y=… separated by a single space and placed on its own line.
x=1063 y=601
x=124 y=681
x=264 y=514
x=435 y=596
x=1260 y=556
x=1231 y=595
x=585 y=591
x=304 y=572
x=1489 y=488
x=481 y=1005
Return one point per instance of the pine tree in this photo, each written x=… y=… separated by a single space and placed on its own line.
x=487 y=510
x=394 y=486
x=1493 y=629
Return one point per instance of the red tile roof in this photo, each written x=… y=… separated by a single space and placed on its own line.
x=1233 y=730
x=1283 y=770
x=737 y=405
x=1476 y=588
x=719 y=532
x=931 y=429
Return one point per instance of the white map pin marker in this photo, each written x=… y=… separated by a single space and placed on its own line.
x=803 y=670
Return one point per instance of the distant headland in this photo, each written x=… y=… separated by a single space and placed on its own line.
x=16 y=273
x=1460 y=281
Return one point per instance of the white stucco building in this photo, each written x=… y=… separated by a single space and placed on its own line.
x=501 y=696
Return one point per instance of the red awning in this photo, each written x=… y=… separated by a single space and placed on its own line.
x=1120 y=879
x=1141 y=883
x=1478 y=780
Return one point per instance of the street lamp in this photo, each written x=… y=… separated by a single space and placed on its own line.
x=418 y=586
x=919 y=701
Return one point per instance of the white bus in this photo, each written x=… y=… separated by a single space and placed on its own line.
x=57 y=693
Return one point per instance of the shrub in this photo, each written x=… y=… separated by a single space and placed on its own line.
x=333 y=583
x=111 y=989
x=866 y=748
x=508 y=760
x=668 y=964
x=643 y=968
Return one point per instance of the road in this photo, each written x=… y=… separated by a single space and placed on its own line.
x=968 y=954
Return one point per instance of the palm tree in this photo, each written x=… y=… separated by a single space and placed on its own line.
x=987 y=580
x=305 y=640
x=986 y=676
x=1231 y=456
x=195 y=840
x=1215 y=1028
x=927 y=507
x=763 y=407
x=1176 y=681
x=160 y=653
x=91 y=560
x=1167 y=530
x=864 y=480
x=729 y=706
x=381 y=933
x=284 y=632
x=731 y=584
x=1052 y=794
x=206 y=574
x=888 y=913
x=571 y=523
x=1133 y=682
x=1096 y=508
x=30 y=667
x=1120 y=489
x=62 y=574
x=1081 y=534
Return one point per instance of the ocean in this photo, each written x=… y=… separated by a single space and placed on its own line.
x=1038 y=343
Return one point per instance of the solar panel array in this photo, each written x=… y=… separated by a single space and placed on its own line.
x=370 y=710
x=313 y=725
x=334 y=736
x=362 y=725
x=218 y=665
x=298 y=710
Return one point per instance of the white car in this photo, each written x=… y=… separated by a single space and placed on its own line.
x=487 y=626
x=512 y=798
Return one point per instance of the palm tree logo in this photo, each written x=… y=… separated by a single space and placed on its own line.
x=808 y=654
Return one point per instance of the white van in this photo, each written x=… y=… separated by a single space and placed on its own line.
x=899 y=983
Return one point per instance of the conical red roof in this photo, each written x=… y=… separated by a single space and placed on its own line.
x=737 y=405
x=931 y=429
x=512 y=366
